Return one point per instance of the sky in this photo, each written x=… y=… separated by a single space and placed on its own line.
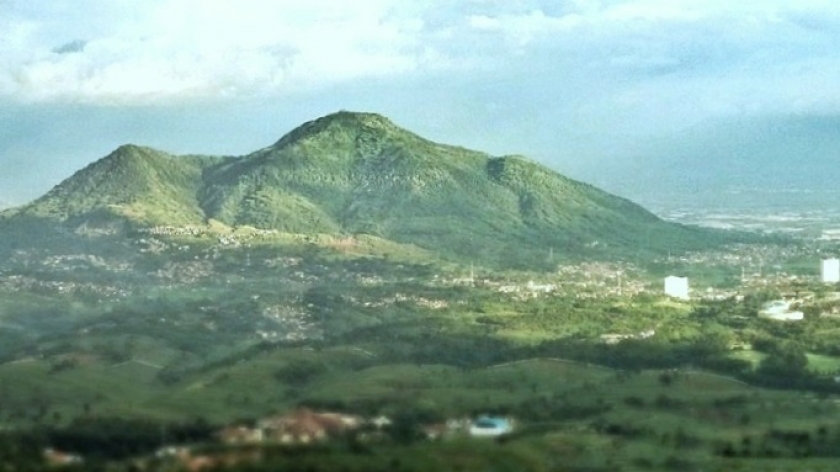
x=620 y=93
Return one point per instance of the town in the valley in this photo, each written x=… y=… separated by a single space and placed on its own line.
x=795 y=280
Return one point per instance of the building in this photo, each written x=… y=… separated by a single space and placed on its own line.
x=831 y=270
x=304 y=426
x=55 y=458
x=676 y=287
x=487 y=426
x=780 y=310
x=241 y=435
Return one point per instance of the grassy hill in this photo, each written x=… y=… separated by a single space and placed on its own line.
x=137 y=183
x=359 y=173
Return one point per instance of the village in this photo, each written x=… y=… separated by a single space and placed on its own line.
x=305 y=426
x=801 y=291
x=750 y=268
x=302 y=427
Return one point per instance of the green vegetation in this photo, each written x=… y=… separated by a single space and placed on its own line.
x=359 y=174
x=356 y=267
x=140 y=184
x=391 y=336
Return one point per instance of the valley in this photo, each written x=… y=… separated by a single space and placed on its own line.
x=213 y=326
x=356 y=295
x=800 y=211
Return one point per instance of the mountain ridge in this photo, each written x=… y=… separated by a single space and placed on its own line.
x=348 y=173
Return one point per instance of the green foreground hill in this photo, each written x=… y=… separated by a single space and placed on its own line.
x=358 y=173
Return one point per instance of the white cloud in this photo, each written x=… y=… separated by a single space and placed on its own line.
x=674 y=62
x=625 y=58
x=523 y=28
x=187 y=48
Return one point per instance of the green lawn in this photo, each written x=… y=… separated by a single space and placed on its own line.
x=823 y=364
x=818 y=363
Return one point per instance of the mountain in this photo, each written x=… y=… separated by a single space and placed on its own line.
x=349 y=173
x=141 y=184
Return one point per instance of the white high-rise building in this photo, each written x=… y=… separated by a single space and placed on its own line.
x=831 y=270
x=676 y=287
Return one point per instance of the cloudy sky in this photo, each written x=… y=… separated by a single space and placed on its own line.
x=591 y=88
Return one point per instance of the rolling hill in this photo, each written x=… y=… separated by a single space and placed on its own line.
x=350 y=173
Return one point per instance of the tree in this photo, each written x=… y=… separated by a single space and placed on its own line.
x=300 y=372
x=787 y=361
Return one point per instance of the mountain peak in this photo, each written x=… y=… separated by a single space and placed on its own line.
x=341 y=123
x=130 y=152
x=354 y=118
x=129 y=147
